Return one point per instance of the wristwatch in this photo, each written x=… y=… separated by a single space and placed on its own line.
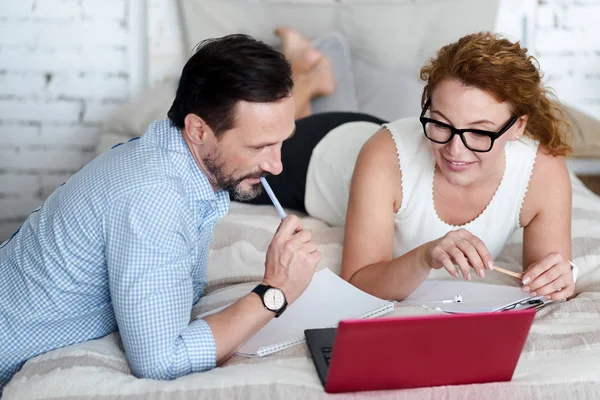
x=273 y=298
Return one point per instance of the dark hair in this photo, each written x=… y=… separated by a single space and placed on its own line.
x=224 y=71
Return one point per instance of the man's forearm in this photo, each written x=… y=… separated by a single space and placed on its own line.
x=236 y=324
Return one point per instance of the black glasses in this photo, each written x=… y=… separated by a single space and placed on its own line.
x=528 y=303
x=473 y=139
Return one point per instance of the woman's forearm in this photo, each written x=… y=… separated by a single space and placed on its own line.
x=394 y=279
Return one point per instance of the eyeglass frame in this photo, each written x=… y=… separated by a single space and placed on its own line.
x=528 y=303
x=454 y=131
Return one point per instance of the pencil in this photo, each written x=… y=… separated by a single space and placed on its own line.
x=507 y=272
x=274 y=200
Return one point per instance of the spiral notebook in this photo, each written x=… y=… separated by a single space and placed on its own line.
x=326 y=301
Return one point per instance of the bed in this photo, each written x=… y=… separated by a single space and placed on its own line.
x=561 y=358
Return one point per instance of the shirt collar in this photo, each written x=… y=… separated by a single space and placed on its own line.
x=168 y=137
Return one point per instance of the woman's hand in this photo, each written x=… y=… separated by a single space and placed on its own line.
x=551 y=277
x=462 y=248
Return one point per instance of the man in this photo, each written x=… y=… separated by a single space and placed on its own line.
x=123 y=244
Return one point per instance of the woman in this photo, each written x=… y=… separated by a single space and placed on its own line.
x=448 y=189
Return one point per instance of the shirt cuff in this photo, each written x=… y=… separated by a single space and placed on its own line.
x=200 y=345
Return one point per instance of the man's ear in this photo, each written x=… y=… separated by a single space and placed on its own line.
x=195 y=129
x=520 y=125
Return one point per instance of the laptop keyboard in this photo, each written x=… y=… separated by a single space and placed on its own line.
x=326 y=353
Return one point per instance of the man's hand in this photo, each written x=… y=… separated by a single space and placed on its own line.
x=292 y=259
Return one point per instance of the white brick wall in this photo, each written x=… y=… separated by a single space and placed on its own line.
x=65 y=67
x=165 y=48
x=567 y=44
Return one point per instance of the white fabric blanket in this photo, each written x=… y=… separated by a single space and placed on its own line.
x=561 y=358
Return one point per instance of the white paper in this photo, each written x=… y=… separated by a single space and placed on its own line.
x=477 y=297
x=326 y=301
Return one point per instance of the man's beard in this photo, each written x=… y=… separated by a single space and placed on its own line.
x=215 y=167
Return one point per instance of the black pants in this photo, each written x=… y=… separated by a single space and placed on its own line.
x=290 y=185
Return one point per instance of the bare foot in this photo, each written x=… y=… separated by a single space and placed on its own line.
x=298 y=50
x=319 y=81
x=303 y=92
x=311 y=71
x=323 y=80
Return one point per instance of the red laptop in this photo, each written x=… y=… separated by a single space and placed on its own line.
x=411 y=352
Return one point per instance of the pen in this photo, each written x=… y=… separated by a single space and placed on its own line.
x=278 y=207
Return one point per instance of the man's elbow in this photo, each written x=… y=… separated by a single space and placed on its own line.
x=161 y=371
x=153 y=371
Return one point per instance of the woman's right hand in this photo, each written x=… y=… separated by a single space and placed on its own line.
x=459 y=247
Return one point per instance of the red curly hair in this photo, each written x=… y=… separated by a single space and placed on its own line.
x=504 y=69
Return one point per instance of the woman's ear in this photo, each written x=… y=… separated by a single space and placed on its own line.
x=520 y=126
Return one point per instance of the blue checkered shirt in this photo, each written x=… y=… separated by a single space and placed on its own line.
x=122 y=245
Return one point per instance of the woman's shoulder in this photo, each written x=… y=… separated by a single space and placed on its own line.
x=377 y=167
x=408 y=135
x=380 y=150
x=393 y=137
x=397 y=152
x=549 y=167
x=548 y=183
x=397 y=144
x=404 y=126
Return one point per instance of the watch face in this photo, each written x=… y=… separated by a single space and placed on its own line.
x=274 y=299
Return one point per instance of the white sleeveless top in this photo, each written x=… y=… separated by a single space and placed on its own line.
x=416 y=222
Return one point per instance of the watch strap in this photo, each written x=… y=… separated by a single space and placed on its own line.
x=261 y=289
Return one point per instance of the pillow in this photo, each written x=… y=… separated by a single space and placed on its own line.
x=586 y=133
x=387 y=93
x=134 y=117
x=335 y=47
x=397 y=34
x=203 y=19
x=402 y=35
